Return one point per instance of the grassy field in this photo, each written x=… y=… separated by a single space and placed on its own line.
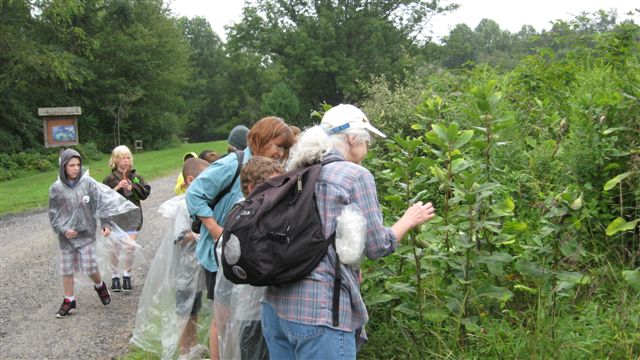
x=32 y=191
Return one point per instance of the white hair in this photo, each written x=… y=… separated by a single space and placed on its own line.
x=314 y=144
x=311 y=147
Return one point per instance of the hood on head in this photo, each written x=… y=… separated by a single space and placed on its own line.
x=188 y=155
x=67 y=155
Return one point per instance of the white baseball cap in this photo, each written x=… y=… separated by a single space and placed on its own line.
x=345 y=116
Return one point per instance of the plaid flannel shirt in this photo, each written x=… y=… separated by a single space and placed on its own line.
x=309 y=301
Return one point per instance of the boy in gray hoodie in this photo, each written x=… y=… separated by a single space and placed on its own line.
x=75 y=200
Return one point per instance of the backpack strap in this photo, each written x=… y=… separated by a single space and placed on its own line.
x=226 y=190
x=337 y=281
x=329 y=161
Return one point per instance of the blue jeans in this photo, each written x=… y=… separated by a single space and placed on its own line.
x=291 y=340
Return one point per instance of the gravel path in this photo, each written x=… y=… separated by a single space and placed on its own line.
x=31 y=291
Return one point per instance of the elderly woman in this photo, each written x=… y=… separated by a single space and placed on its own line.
x=297 y=317
x=270 y=137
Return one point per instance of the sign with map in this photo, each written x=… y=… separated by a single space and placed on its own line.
x=60 y=132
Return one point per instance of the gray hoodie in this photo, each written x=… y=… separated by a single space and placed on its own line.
x=73 y=205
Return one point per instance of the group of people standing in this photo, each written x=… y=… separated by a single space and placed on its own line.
x=293 y=320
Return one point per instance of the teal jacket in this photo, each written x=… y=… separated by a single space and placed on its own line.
x=205 y=188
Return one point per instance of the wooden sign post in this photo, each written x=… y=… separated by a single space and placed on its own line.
x=60 y=125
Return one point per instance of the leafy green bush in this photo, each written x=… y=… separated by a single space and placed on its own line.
x=20 y=164
x=534 y=174
x=89 y=151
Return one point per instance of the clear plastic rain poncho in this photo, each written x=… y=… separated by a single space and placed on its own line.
x=84 y=206
x=172 y=303
x=237 y=313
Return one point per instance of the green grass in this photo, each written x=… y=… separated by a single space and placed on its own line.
x=32 y=192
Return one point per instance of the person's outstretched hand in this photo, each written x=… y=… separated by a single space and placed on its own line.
x=415 y=215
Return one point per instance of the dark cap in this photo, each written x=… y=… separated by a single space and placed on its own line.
x=238 y=137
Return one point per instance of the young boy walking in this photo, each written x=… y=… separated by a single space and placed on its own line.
x=75 y=200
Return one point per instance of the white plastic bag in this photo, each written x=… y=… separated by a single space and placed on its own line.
x=351 y=231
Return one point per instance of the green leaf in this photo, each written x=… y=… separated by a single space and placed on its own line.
x=495 y=262
x=531 y=142
x=459 y=165
x=504 y=208
x=464 y=138
x=436 y=316
x=433 y=138
x=439 y=173
x=577 y=203
x=452 y=132
x=569 y=248
x=613 y=182
x=441 y=131
x=417 y=127
x=614 y=129
x=496 y=269
x=525 y=288
x=530 y=269
x=400 y=288
x=496 y=293
x=632 y=278
x=574 y=277
x=470 y=324
x=512 y=227
x=406 y=309
x=380 y=299
x=619 y=224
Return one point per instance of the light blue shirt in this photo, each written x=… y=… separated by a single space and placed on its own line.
x=202 y=191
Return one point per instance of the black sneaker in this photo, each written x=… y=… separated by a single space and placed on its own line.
x=126 y=283
x=115 y=285
x=103 y=293
x=66 y=308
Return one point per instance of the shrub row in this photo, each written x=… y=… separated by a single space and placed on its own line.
x=21 y=164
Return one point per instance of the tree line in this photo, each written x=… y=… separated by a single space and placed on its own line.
x=140 y=72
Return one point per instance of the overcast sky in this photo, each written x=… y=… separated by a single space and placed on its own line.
x=509 y=14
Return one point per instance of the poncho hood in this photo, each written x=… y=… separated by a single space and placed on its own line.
x=66 y=156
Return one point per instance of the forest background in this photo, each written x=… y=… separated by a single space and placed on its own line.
x=528 y=143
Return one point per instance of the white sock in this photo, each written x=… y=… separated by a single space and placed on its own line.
x=97 y=285
x=71 y=298
x=115 y=276
x=126 y=274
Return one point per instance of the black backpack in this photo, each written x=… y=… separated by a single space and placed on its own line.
x=275 y=236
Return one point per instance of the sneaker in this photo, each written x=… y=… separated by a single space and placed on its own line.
x=126 y=283
x=103 y=293
x=65 y=308
x=115 y=285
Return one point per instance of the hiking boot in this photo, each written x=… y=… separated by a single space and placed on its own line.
x=126 y=283
x=66 y=308
x=103 y=293
x=115 y=285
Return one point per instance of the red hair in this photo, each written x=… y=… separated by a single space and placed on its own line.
x=267 y=129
